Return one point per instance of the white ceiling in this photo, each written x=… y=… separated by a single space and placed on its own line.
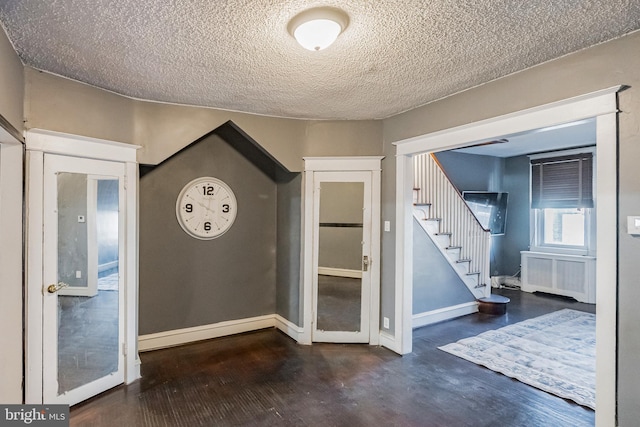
x=570 y=135
x=237 y=55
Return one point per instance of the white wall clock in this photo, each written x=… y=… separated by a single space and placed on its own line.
x=206 y=208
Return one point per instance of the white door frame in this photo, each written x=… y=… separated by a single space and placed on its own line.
x=337 y=164
x=11 y=180
x=602 y=105
x=38 y=142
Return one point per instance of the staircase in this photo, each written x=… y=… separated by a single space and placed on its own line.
x=444 y=215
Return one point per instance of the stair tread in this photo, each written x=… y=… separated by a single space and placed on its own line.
x=453 y=247
x=422 y=204
x=446 y=233
x=432 y=219
x=471 y=273
x=463 y=260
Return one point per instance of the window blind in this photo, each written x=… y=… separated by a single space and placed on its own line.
x=562 y=182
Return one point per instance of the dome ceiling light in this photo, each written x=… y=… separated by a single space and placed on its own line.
x=316 y=29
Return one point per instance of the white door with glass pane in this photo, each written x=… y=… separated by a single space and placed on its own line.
x=342 y=254
x=83 y=325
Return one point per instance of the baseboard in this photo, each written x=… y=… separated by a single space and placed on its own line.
x=340 y=272
x=389 y=341
x=288 y=327
x=205 y=332
x=434 y=316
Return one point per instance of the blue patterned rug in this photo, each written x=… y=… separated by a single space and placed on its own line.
x=555 y=353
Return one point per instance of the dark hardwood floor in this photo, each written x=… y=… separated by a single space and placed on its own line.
x=264 y=378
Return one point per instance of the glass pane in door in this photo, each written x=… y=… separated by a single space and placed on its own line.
x=339 y=298
x=87 y=209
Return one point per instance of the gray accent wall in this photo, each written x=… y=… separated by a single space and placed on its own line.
x=289 y=288
x=435 y=283
x=516 y=237
x=472 y=172
x=186 y=282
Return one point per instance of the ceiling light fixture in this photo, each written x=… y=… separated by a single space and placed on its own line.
x=315 y=29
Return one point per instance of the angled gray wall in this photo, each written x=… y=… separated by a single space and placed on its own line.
x=435 y=283
x=186 y=282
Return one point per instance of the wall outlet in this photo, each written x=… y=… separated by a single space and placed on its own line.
x=81 y=218
x=385 y=322
x=78 y=274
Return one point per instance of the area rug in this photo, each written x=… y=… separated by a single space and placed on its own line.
x=555 y=352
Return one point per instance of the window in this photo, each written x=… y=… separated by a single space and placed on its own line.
x=562 y=202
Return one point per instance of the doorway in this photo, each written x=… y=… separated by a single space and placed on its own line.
x=81 y=337
x=601 y=105
x=341 y=250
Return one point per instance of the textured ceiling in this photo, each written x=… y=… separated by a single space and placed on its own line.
x=237 y=55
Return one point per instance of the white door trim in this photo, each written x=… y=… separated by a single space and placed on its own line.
x=601 y=104
x=38 y=142
x=313 y=164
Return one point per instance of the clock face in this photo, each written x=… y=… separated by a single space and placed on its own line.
x=206 y=208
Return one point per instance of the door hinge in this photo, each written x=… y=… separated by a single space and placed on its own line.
x=124 y=349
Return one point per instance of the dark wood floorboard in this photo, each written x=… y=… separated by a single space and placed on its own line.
x=266 y=379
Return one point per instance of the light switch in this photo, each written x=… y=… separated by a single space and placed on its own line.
x=633 y=225
x=387 y=226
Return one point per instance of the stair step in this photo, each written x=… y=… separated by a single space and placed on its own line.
x=443 y=234
x=453 y=248
x=422 y=204
x=472 y=273
x=461 y=260
x=432 y=219
x=481 y=285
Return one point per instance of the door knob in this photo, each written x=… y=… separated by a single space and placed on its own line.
x=52 y=289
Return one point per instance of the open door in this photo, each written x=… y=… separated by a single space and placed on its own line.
x=83 y=326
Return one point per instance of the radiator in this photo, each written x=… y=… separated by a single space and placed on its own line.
x=568 y=275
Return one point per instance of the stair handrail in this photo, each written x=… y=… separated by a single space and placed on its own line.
x=455 y=216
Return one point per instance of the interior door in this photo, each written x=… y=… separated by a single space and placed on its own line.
x=83 y=332
x=342 y=252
